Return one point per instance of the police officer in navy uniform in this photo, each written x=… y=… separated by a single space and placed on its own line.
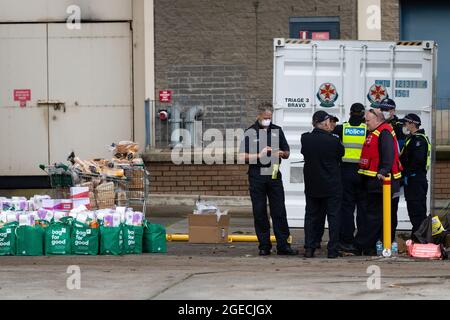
x=415 y=158
x=352 y=134
x=379 y=158
x=263 y=148
x=388 y=107
x=322 y=153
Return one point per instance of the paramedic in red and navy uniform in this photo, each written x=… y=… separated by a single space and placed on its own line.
x=379 y=157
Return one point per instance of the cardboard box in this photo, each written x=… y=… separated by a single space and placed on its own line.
x=82 y=201
x=79 y=192
x=204 y=228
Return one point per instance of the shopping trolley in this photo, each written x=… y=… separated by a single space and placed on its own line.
x=137 y=193
x=60 y=179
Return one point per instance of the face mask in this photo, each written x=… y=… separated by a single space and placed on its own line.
x=265 y=122
x=406 y=131
x=386 y=115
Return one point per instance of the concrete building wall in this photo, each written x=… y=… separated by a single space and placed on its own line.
x=139 y=12
x=60 y=10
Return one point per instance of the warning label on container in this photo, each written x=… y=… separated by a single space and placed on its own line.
x=22 y=95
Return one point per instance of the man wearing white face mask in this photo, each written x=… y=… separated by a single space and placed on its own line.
x=387 y=107
x=263 y=147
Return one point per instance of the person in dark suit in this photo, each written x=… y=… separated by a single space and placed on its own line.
x=322 y=153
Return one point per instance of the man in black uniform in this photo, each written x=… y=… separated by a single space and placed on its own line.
x=415 y=158
x=263 y=148
x=387 y=107
x=352 y=134
x=323 y=190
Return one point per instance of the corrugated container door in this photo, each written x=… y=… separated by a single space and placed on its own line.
x=90 y=73
x=23 y=130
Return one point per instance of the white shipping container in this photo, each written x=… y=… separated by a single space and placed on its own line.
x=332 y=75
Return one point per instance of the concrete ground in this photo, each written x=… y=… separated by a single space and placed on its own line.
x=221 y=271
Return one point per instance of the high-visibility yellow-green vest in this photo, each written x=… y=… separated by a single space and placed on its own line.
x=408 y=140
x=353 y=138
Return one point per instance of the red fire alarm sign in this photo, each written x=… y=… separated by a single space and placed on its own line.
x=165 y=95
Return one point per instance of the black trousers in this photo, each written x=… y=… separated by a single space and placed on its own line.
x=262 y=188
x=394 y=219
x=416 y=200
x=315 y=212
x=353 y=197
x=371 y=229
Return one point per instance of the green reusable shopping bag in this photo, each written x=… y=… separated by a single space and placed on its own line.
x=132 y=239
x=30 y=240
x=8 y=239
x=154 y=240
x=84 y=239
x=57 y=238
x=111 y=240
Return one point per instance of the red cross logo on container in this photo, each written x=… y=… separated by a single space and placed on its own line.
x=327 y=95
x=377 y=92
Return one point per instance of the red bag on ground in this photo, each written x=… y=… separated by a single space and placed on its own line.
x=419 y=250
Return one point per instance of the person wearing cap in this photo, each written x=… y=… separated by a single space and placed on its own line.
x=387 y=107
x=333 y=123
x=263 y=147
x=415 y=158
x=352 y=134
x=379 y=158
x=322 y=153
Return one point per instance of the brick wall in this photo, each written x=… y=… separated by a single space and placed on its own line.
x=441 y=181
x=218 y=53
x=390 y=20
x=218 y=180
x=230 y=36
x=218 y=90
x=231 y=180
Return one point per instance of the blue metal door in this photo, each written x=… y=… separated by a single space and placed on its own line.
x=430 y=20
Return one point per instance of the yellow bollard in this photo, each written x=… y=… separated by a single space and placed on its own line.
x=177 y=237
x=251 y=238
x=387 y=241
x=231 y=238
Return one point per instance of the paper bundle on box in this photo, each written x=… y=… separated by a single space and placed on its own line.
x=80 y=196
